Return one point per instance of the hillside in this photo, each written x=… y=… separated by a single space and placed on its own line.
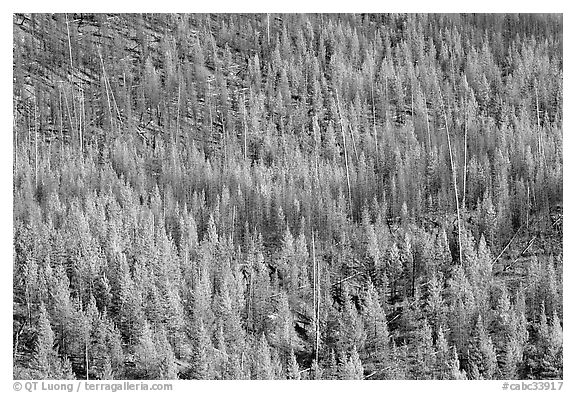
x=297 y=196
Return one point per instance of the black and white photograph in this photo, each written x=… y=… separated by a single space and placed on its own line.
x=287 y=196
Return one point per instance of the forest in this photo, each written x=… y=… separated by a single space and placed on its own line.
x=295 y=196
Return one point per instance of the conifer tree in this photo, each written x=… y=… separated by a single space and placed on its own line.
x=443 y=366
x=293 y=371
x=262 y=360
x=201 y=352
x=353 y=366
x=481 y=353
x=376 y=328
x=145 y=354
x=45 y=357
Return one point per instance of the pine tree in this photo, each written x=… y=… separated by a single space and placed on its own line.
x=424 y=353
x=544 y=357
x=443 y=367
x=277 y=367
x=435 y=305
x=229 y=314
x=262 y=360
x=376 y=328
x=481 y=353
x=145 y=355
x=287 y=262
x=331 y=366
x=283 y=335
x=316 y=371
x=201 y=352
x=45 y=357
x=352 y=367
x=455 y=372
x=167 y=361
x=350 y=329
x=292 y=368
x=260 y=299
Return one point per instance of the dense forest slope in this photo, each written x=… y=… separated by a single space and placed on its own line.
x=287 y=196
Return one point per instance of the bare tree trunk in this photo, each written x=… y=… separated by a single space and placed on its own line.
x=15 y=125
x=178 y=114
x=232 y=231
x=28 y=307
x=354 y=144
x=345 y=152
x=36 y=141
x=538 y=122
x=110 y=93
x=250 y=311
x=453 y=74
x=29 y=131
x=61 y=117
x=465 y=158
x=210 y=110
x=528 y=207
x=317 y=300
x=244 y=123
x=107 y=93
x=314 y=291
x=86 y=357
x=453 y=182
x=268 y=28
x=82 y=123
x=69 y=114
x=412 y=102
x=374 y=122
x=71 y=68
x=427 y=122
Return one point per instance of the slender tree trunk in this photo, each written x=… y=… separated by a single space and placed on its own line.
x=374 y=122
x=465 y=158
x=386 y=98
x=353 y=144
x=427 y=122
x=86 y=358
x=412 y=102
x=345 y=152
x=538 y=122
x=453 y=73
x=232 y=230
x=28 y=308
x=210 y=110
x=250 y=301
x=314 y=291
x=15 y=125
x=69 y=115
x=71 y=67
x=244 y=124
x=268 y=28
x=73 y=122
x=528 y=207
x=36 y=141
x=107 y=93
x=317 y=300
x=178 y=114
x=29 y=124
x=82 y=123
x=61 y=118
x=454 y=182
